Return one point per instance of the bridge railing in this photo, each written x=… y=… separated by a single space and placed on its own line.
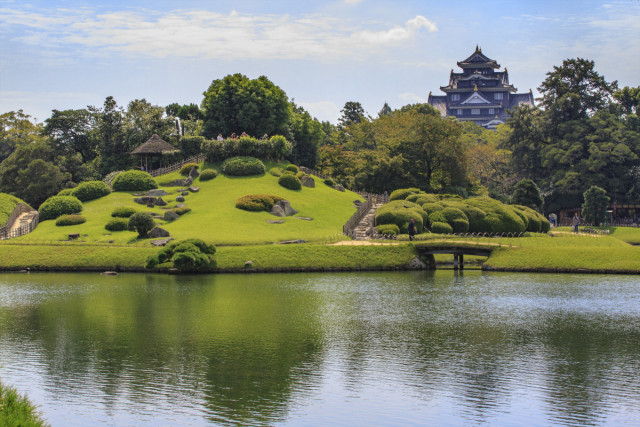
x=200 y=158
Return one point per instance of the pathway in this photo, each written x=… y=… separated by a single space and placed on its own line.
x=23 y=219
x=365 y=228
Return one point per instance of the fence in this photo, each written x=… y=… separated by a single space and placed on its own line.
x=350 y=227
x=6 y=231
x=176 y=166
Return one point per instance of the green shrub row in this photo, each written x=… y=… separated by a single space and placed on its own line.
x=64 y=220
x=55 y=206
x=242 y=166
x=133 y=180
x=123 y=212
x=117 y=224
x=257 y=202
x=275 y=148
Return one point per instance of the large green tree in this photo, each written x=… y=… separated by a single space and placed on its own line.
x=307 y=136
x=594 y=209
x=236 y=104
x=17 y=128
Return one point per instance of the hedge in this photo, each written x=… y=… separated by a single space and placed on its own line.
x=388 y=229
x=290 y=181
x=421 y=199
x=133 y=180
x=257 y=202
x=441 y=228
x=275 y=148
x=403 y=193
x=117 y=224
x=123 y=212
x=185 y=170
x=64 y=220
x=400 y=212
x=91 y=190
x=242 y=166
x=55 y=206
x=208 y=174
x=141 y=222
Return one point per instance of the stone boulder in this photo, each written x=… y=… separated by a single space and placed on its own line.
x=170 y=216
x=178 y=183
x=307 y=181
x=194 y=174
x=194 y=189
x=184 y=193
x=156 y=193
x=161 y=242
x=338 y=187
x=145 y=200
x=180 y=199
x=277 y=211
x=160 y=202
x=181 y=205
x=417 y=264
x=304 y=169
x=286 y=207
x=188 y=181
x=158 y=232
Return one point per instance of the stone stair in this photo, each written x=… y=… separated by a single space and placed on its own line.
x=364 y=229
x=24 y=219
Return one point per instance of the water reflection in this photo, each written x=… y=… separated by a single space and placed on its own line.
x=302 y=349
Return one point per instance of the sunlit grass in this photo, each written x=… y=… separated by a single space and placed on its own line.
x=17 y=410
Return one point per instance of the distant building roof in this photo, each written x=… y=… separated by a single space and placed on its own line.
x=154 y=145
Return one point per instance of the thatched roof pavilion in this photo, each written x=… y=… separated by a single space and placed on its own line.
x=155 y=146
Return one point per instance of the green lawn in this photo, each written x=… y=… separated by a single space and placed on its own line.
x=215 y=218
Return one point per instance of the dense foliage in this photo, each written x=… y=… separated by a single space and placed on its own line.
x=290 y=181
x=91 y=190
x=257 y=202
x=275 y=148
x=187 y=255
x=141 y=222
x=123 y=212
x=242 y=166
x=185 y=170
x=527 y=193
x=70 y=220
x=7 y=204
x=208 y=174
x=133 y=180
x=594 y=208
x=117 y=224
x=55 y=206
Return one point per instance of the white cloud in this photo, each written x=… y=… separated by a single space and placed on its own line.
x=206 y=34
x=412 y=98
x=323 y=110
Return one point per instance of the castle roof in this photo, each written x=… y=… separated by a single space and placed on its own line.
x=478 y=60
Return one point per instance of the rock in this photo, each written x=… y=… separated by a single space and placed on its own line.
x=156 y=193
x=161 y=242
x=304 y=218
x=248 y=264
x=275 y=221
x=338 y=187
x=277 y=211
x=151 y=205
x=160 y=202
x=358 y=203
x=194 y=189
x=178 y=183
x=111 y=241
x=287 y=242
x=184 y=193
x=145 y=200
x=180 y=199
x=183 y=190
x=188 y=181
x=156 y=215
x=307 y=181
x=170 y=216
x=305 y=169
x=157 y=232
x=181 y=205
x=417 y=264
x=194 y=174
x=109 y=273
x=286 y=207
x=74 y=236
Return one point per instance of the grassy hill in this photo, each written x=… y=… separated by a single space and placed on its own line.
x=7 y=204
x=214 y=217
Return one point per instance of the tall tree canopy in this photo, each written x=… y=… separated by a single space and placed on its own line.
x=307 y=136
x=17 y=128
x=236 y=104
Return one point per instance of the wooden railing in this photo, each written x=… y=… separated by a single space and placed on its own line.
x=176 y=166
x=6 y=231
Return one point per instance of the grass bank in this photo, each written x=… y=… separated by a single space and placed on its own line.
x=17 y=410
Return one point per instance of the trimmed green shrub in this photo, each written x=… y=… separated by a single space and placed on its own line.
x=452 y=213
x=242 y=166
x=55 y=206
x=185 y=170
x=70 y=220
x=403 y=193
x=208 y=174
x=536 y=222
x=432 y=207
x=117 y=224
x=421 y=199
x=500 y=218
x=7 y=204
x=133 y=180
x=190 y=261
x=290 y=181
x=181 y=211
x=187 y=255
x=388 y=229
x=300 y=174
x=441 y=228
x=450 y=196
x=91 y=190
x=108 y=179
x=276 y=171
x=123 y=212
x=66 y=192
x=400 y=212
x=293 y=168
x=257 y=202
x=329 y=182
x=437 y=216
x=141 y=222
x=459 y=225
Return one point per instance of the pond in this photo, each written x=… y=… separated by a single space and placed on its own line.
x=375 y=348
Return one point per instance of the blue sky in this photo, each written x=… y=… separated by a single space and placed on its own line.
x=58 y=54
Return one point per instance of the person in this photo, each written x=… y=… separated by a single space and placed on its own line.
x=576 y=222
x=220 y=138
x=243 y=134
x=411 y=229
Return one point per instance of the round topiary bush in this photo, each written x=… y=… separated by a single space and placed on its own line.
x=441 y=228
x=388 y=229
x=500 y=218
x=66 y=192
x=141 y=222
x=403 y=193
x=187 y=255
x=452 y=213
x=400 y=212
x=91 y=190
x=276 y=171
x=55 y=206
x=70 y=220
x=421 y=199
x=181 y=211
x=459 y=225
x=431 y=207
x=257 y=202
x=242 y=166
x=117 y=224
x=437 y=216
x=208 y=174
x=123 y=212
x=290 y=181
x=133 y=180
x=293 y=168
x=329 y=182
x=185 y=170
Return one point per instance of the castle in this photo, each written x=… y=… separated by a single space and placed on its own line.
x=479 y=93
